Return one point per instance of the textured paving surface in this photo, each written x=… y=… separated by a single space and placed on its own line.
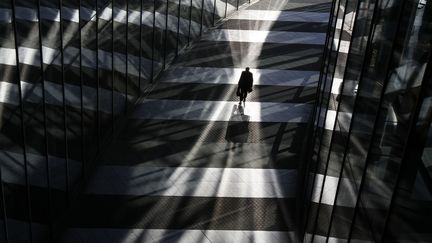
x=191 y=165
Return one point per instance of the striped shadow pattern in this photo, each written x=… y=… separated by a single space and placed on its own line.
x=190 y=164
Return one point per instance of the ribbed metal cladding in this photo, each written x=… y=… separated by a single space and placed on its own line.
x=69 y=73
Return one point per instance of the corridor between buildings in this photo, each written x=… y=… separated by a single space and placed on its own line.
x=190 y=164
x=120 y=121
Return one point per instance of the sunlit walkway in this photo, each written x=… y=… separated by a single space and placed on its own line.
x=190 y=165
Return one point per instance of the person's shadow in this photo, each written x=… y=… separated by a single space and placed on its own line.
x=238 y=128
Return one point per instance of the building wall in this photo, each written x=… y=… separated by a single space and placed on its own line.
x=66 y=79
x=369 y=173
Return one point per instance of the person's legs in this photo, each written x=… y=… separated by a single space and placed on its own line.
x=244 y=98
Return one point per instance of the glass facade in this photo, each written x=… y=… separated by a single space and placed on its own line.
x=69 y=73
x=369 y=172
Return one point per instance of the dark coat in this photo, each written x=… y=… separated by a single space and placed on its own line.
x=246 y=81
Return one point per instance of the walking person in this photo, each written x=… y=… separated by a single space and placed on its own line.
x=244 y=85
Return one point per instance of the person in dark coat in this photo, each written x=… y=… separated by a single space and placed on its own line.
x=244 y=85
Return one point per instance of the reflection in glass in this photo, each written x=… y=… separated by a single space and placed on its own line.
x=147 y=42
x=159 y=36
x=208 y=10
x=195 y=27
x=172 y=30
x=374 y=125
x=184 y=23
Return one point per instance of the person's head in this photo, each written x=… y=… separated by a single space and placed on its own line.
x=247 y=69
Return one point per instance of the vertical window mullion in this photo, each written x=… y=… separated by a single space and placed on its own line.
x=190 y=23
x=368 y=52
x=201 y=18
x=317 y=110
x=214 y=13
x=140 y=48
x=46 y=148
x=349 y=56
x=411 y=123
x=178 y=28
x=65 y=125
x=22 y=123
x=127 y=58
x=3 y=209
x=153 y=41
x=112 y=65
x=83 y=163
x=97 y=80
x=325 y=119
x=319 y=107
x=412 y=127
x=165 y=37
x=226 y=8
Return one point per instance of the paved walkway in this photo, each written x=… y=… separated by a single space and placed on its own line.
x=191 y=165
